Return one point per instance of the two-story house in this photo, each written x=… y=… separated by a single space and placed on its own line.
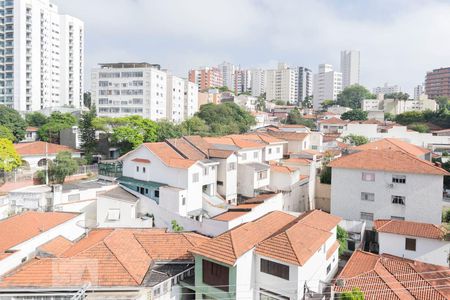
x=277 y=256
x=386 y=184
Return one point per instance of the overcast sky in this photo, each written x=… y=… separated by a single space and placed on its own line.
x=399 y=40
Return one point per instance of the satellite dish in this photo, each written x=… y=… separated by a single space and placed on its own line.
x=87 y=224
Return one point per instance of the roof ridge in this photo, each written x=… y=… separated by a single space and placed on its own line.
x=391 y=283
x=88 y=248
x=149 y=255
x=292 y=246
x=423 y=161
x=411 y=265
x=125 y=268
x=388 y=221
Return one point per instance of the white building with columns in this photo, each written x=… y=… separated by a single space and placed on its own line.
x=43 y=58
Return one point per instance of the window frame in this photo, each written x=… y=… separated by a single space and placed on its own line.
x=274 y=268
x=399 y=200
x=367 y=198
x=410 y=244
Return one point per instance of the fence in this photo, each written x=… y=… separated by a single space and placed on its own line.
x=26 y=175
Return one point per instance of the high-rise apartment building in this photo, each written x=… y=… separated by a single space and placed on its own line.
x=387 y=89
x=175 y=99
x=227 y=70
x=437 y=83
x=305 y=83
x=42 y=58
x=350 y=67
x=206 y=78
x=327 y=85
x=258 y=82
x=242 y=81
x=282 y=84
x=418 y=91
x=190 y=99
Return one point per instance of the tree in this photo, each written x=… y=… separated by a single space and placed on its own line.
x=281 y=102
x=353 y=95
x=126 y=138
x=261 y=103
x=225 y=118
x=11 y=119
x=442 y=101
x=87 y=100
x=36 y=119
x=355 y=140
x=176 y=227
x=87 y=132
x=307 y=102
x=355 y=115
x=194 y=126
x=132 y=131
x=167 y=130
x=389 y=117
x=354 y=294
x=63 y=165
x=325 y=175
x=419 y=127
x=327 y=103
x=296 y=118
x=9 y=159
x=410 y=117
x=57 y=121
x=397 y=96
x=342 y=236
x=446 y=216
x=5 y=133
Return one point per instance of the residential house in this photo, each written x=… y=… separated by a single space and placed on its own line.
x=386 y=184
x=397 y=144
x=31 y=135
x=246 y=262
x=332 y=125
x=424 y=242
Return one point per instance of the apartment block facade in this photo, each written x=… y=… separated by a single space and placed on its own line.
x=42 y=60
x=206 y=78
x=305 y=83
x=437 y=83
x=282 y=84
x=327 y=85
x=350 y=67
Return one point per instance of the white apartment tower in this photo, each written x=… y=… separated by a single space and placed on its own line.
x=126 y=89
x=190 y=99
x=305 y=83
x=282 y=84
x=227 y=70
x=387 y=89
x=175 y=99
x=242 y=81
x=258 y=82
x=327 y=85
x=42 y=58
x=350 y=67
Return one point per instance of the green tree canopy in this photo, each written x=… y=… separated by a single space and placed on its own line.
x=9 y=159
x=410 y=117
x=419 y=127
x=63 y=165
x=87 y=132
x=355 y=140
x=355 y=115
x=342 y=237
x=133 y=131
x=225 y=118
x=280 y=102
x=354 y=294
x=57 y=121
x=5 y=133
x=307 y=102
x=353 y=95
x=194 y=126
x=167 y=130
x=11 y=119
x=327 y=103
x=87 y=99
x=296 y=118
x=36 y=119
x=397 y=96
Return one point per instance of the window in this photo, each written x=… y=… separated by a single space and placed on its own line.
x=278 y=149
x=328 y=269
x=368 y=176
x=231 y=166
x=397 y=218
x=398 y=179
x=255 y=154
x=398 y=200
x=113 y=215
x=215 y=275
x=219 y=183
x=205 y=171
x=274 y=268
x=366 y=216
x=195 y=177
x=367 y=196
x=410 y=244
x=183 y=201
x=156 y=193
x=270 y=150
x=143 y=169
x=262 y=175
x=137 y=168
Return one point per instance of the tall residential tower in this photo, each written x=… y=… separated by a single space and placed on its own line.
x=349 y=67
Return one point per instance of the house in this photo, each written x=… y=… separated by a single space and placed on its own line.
x=21 y=235
x=397 y=144
x=391 y=277
x=35 y=154
x=31 y=135
x=296 y=141
x=386 y=184
x=109 y=264
x=424 y=242
x=276 y=256
x=332 y=125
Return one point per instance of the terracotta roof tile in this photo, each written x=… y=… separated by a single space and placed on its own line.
x=387 y=160
x=56 y=246
x=417 y=229
x=389 y=277
x=141 y=160
x=333 y=121
x=169 y=156
x=298 y=161
x=394 y=144
x=289 y=136
x=186 y=149
x=282 y=169
x=20 y=228
x=39 y=148
x=332 y=249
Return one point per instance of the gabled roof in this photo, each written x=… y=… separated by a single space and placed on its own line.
x=289 y=136
x=387 y=277
x=282 y=169
x=262 y=137
x=387 y=160
x=425 y=230
x=169 y=156
x=106 y=258
x=20 y=228
x=56 y=246
x=186 y=149
x=394 y=144
x=298 y=161
x=237 y=141
x=333 y=121
x=40 y=148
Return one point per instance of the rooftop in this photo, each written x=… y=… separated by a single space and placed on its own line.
x=120 y=194
x=169 y=156
x=386 y=277
x=409 y=228
x=129 y=65
x=394 y=144
x=40 y=148
x=333 y=121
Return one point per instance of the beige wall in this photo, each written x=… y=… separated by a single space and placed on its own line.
x=323 y=195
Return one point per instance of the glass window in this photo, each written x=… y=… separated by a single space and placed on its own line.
x=368 y=176
x=398 y=200
x=195 y=177
x=367 y=196
x=410 y=244
x=256 y=155
x=366 y=216
x=231 y=166
x=398 y=179
x=274 y=268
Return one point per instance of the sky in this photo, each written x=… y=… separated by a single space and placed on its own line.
x=399 y=40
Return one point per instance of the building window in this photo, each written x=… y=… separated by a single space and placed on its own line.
x=262 y=175
x=398 y=179
x=195 y=177
x=368 y=176
x=410 y=244
x=143 y=169
x=270 y=150
x=215 y=275
x=231 y=166
x=367 y=196
x=255 y=154
x=328 y=269
x=398 y=200
x=274 y=268
x=366 y=216
x=113 y=215
x=278 y=149
x=156 y=193
x=137 y=168
x=183 y=201
x=397 y=218
x=220 y=183
x=205 y=171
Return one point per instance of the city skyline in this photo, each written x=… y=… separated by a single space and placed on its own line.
x=179 y=37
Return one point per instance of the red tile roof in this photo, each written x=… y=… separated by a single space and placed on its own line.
x=282 y=169
x=141 y=160
x=386 y=277
x=289 y=136
x=417 y=229
x=169 y=156
x=32 y=129
x=387 y=160
x=106 y=258
x=299 y=161
x=39 y=148
x=20 y=228
x=56 y=246
x=333 y=121
x=394 y=144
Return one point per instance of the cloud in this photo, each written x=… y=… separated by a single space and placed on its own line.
x=399 y=40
